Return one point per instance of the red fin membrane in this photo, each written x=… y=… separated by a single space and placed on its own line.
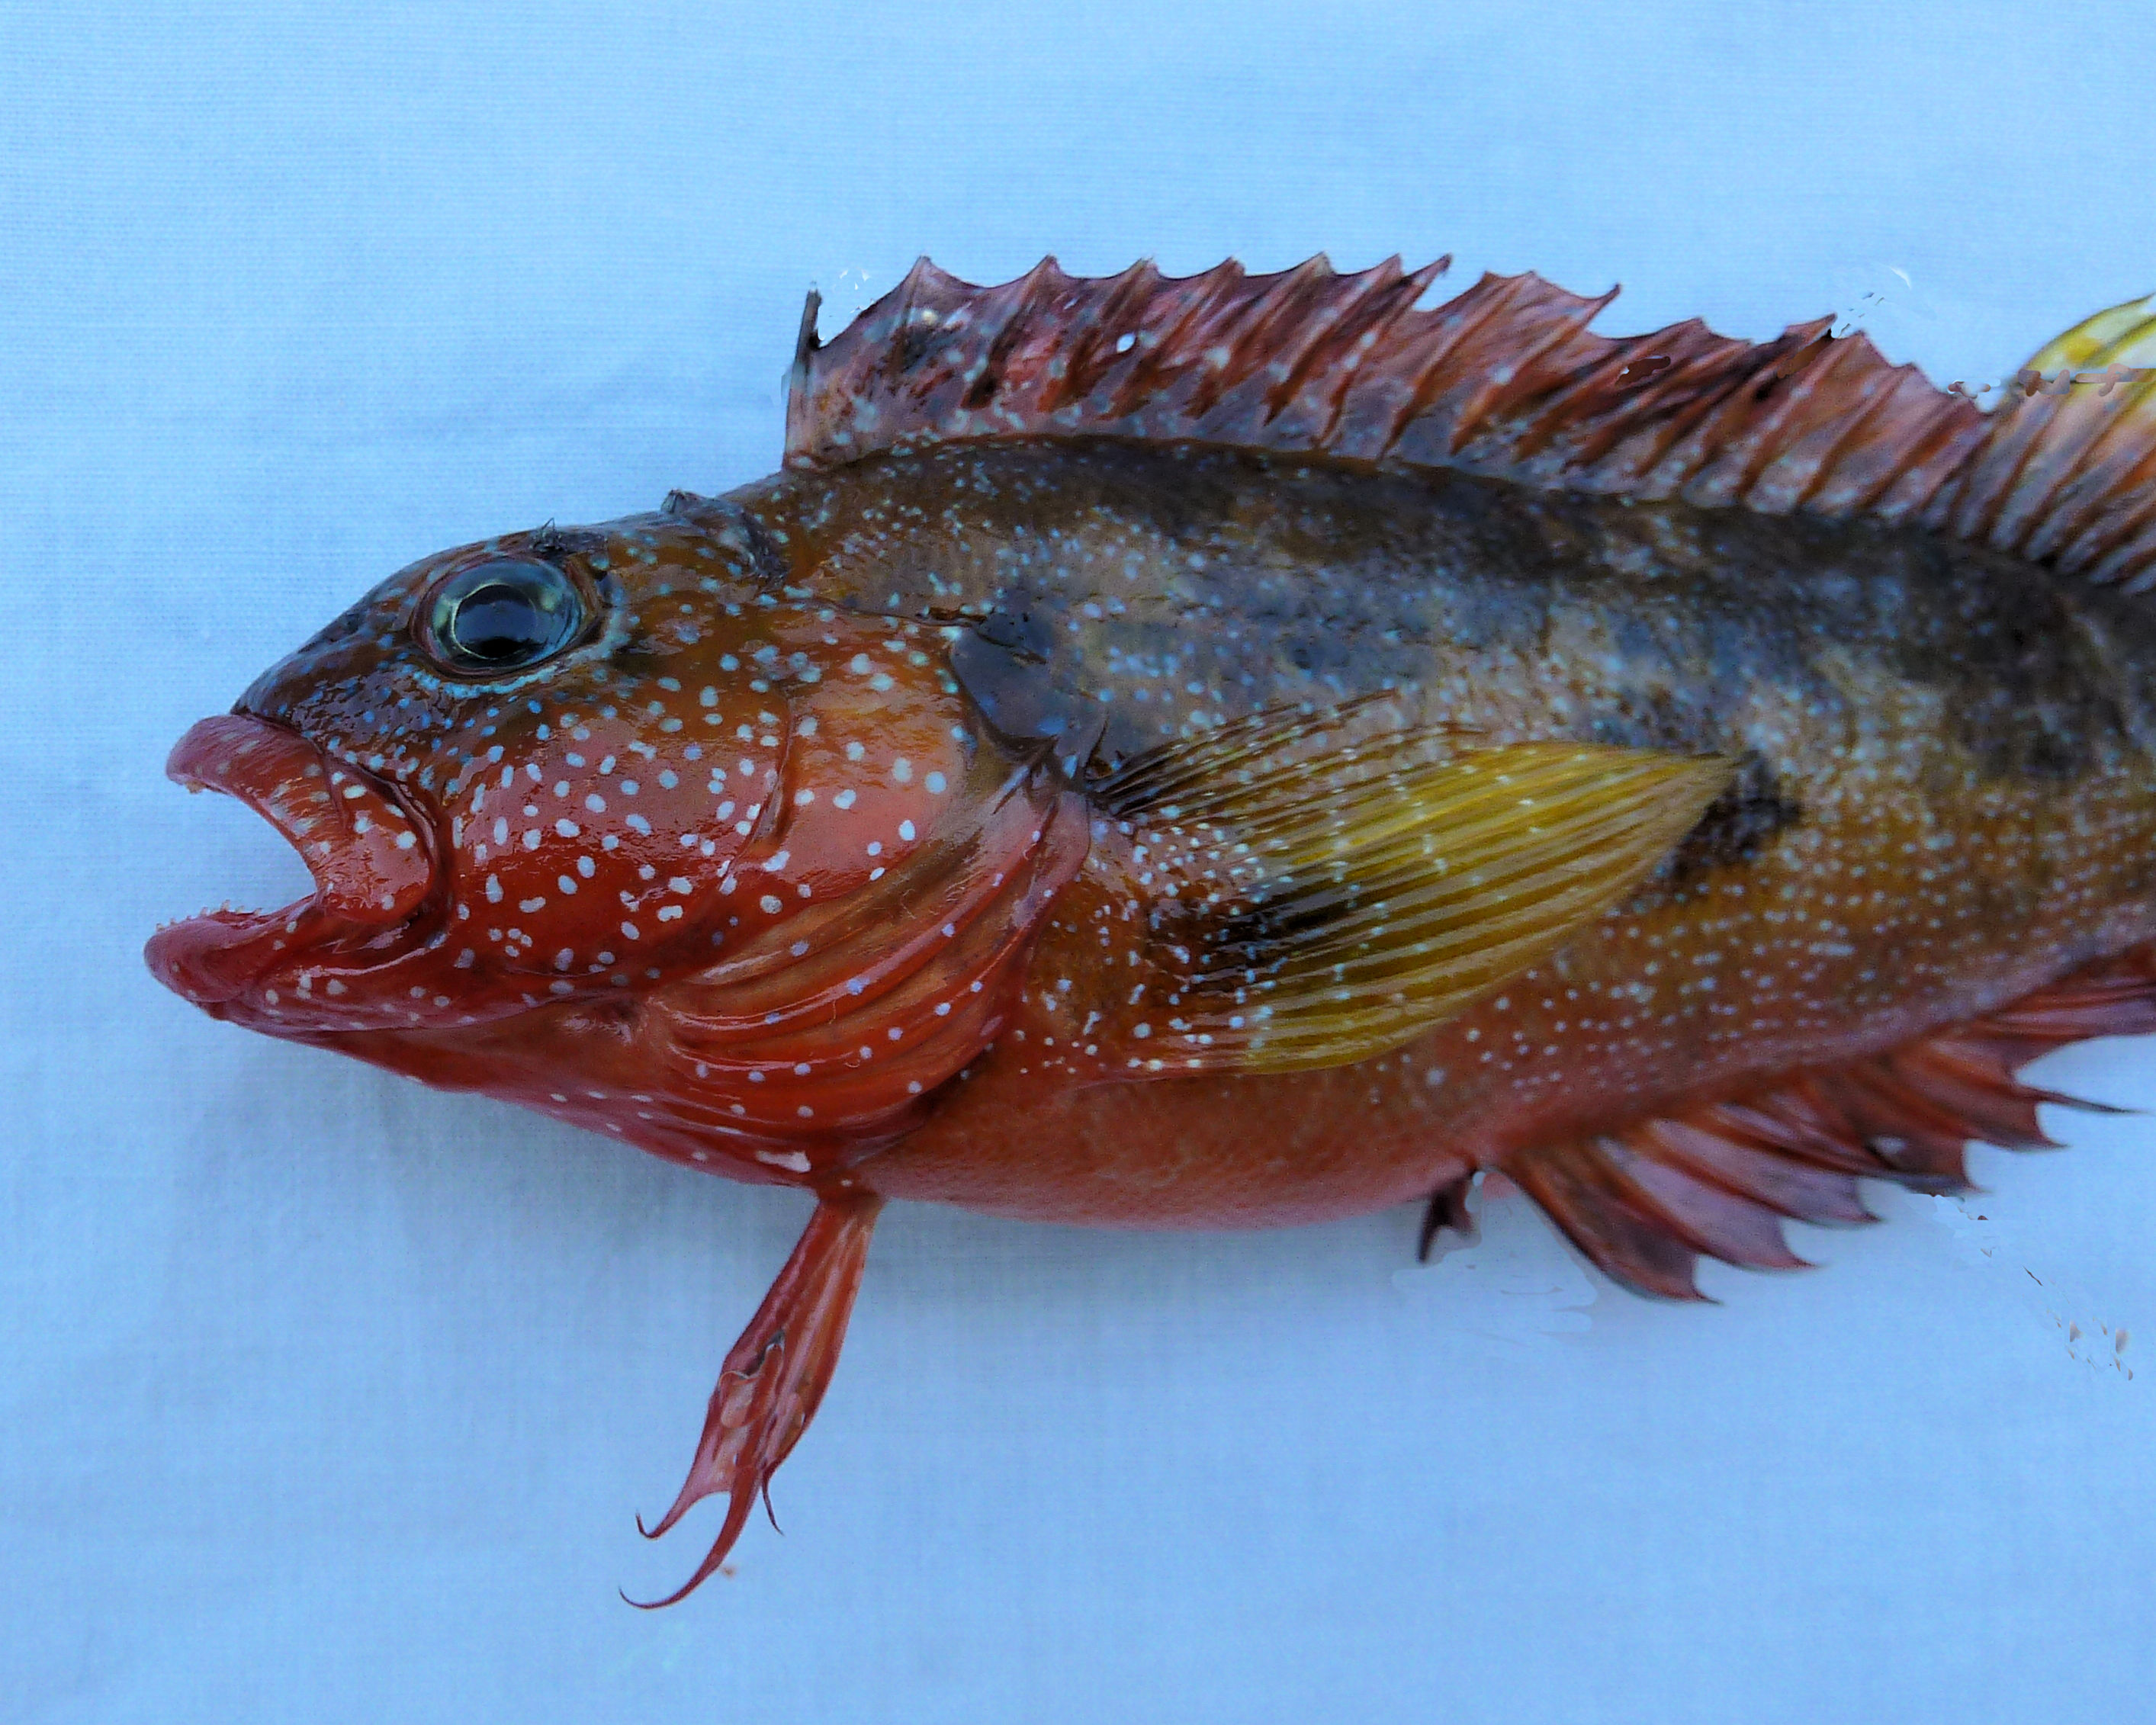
x=1504 y=379
x=774 y=1377
x=1646 y=1204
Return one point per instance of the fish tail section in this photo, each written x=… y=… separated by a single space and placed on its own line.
x=1646 y=1202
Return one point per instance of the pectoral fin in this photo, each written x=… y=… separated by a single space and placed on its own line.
x=1323 y=905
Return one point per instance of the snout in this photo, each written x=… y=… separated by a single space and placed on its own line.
x=372 y=864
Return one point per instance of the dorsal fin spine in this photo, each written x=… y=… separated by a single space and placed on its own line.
x=1860 y=487
x=1444 y=339
x=1658 y=464
x=1272 y=320
x=1123 y=314
x=1994 y=475
x=1197 y=327
x=1095 y=322
x=1504 y=386
x=2024 y=511
x=2104 y=486
x=1819 y=464
x=1733 y=441
x=1505 y=379
x=1148 y=359
x=1777 y=481
x=1606 y=380
x=1039 y=285
x=2122 y=505
x=1732 y=467
x=1355 y=336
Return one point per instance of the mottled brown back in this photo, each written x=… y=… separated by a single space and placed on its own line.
x=1505 y=379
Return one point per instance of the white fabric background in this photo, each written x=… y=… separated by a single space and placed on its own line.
x=327 y=1398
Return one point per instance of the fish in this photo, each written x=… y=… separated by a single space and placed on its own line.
x=1240 y=750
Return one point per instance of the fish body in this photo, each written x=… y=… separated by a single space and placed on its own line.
x=1935 y=747
x=1242 y=751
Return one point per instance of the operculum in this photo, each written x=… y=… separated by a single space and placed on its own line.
x=882 y=926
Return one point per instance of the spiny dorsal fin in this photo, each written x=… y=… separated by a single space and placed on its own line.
x=1504 y=379
x=1646 y=1202
x=2067 y=472
x=1324 y=890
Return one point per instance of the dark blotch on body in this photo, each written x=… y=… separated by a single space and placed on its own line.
x=1737 y=825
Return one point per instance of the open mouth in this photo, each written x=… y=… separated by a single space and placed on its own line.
x=373 y=865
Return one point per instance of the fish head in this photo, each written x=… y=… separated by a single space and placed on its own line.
x=571 y=795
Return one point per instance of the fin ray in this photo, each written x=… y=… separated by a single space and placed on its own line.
x=1331 y=898
x=1507 y=378
x=1646 y=1203
x=1577 y=1192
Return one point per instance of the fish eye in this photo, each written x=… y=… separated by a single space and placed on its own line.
x=502 y=616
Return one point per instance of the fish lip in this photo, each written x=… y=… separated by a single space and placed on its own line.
x=372 y=858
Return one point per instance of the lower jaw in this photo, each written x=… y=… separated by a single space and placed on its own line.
x=275 y=970
x=216 y=961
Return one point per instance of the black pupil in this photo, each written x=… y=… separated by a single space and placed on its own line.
x=500 y=622
x=505 y=616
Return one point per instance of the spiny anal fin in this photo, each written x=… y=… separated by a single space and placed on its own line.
x=1326 y=887
x=1646 y=1202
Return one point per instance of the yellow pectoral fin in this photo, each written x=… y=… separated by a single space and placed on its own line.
x=1370 y=893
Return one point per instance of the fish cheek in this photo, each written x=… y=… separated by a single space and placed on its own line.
x=877 y=783
x=587 y=857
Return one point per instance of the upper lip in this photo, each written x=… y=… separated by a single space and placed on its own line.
x=370 y=860
x=373 y=863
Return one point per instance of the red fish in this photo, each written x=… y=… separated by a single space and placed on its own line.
x=1243 y=750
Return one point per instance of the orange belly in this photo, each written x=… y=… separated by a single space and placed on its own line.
x=1816 y=953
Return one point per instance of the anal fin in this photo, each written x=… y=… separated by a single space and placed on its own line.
x=1600 y=1210
x=1646 y=1202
